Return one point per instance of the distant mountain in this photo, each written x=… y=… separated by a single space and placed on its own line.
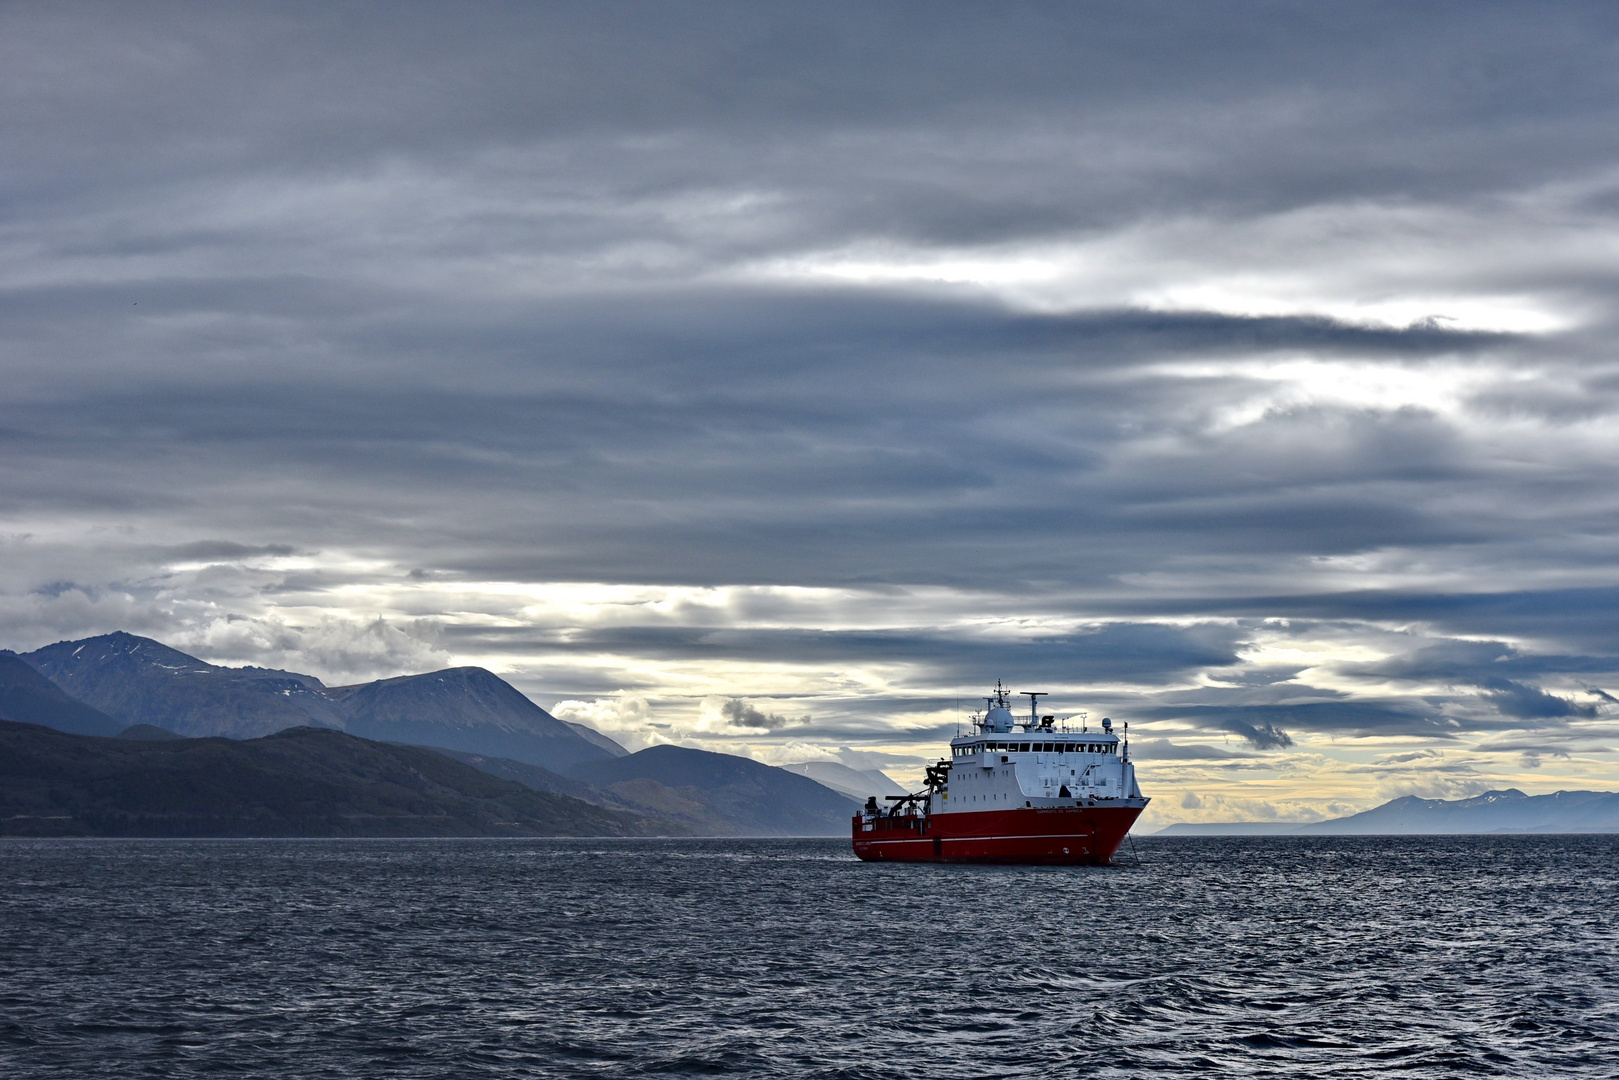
x=1509 y=811
x=299 y=782
x=136 y=681
x=27 y=697
x=1494 y=811
x=467 y=709
x=719 y=794
x=590 y=734
x=855 y=783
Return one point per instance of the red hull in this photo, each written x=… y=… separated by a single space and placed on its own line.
x=1066 y=835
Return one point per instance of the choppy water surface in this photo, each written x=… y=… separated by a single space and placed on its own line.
x=1340 y=957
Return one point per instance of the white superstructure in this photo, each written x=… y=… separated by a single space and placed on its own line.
x=1033 y=761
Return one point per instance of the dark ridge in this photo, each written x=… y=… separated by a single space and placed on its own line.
x=467 y=709
x=591 y=735
x=720 y=794
x=28 y=697
x=299 y=782
x=545 y=780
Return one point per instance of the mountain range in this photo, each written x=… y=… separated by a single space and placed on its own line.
x=136 y=680
x=31 y=698
x=1508 y=811
x=145 y=691
x=858 y=784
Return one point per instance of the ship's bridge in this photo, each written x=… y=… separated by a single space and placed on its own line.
x=1036 y=742
x=1037 y=767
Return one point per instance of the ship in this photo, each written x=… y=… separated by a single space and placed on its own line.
x=1034 y=789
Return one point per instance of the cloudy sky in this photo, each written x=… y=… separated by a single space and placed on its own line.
x=774 y=377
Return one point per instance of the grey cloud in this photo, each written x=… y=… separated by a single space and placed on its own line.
x=743 y=715
x=1220 y=105
x=1487 y=666
x=219 y=550
x=1261 y=724
x=1475 y=662
x=1265 y=736
x=1165 y=750
x=1530 y=702
x=1579 y=617
x=1565 y=747
x=1142 y=652
x=1405 y=759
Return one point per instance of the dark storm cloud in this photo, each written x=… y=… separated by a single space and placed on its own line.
x=497 y=293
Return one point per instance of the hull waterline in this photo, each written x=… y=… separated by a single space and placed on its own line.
x=1056 y=836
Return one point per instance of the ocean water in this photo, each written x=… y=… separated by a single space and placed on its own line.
x=1310 y=957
